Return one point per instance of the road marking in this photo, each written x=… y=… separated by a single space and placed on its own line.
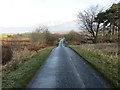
x=82 y=83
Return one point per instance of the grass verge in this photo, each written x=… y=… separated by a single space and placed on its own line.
x=106 y=64
x=20 y=77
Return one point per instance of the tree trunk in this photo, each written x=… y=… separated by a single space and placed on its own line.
x=95 y=39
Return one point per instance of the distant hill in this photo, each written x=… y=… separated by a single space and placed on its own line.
x=65 y=32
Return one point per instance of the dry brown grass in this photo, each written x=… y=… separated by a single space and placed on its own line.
x=21 y=50
x=16 y=50
x=108 y=48
x=19 y=56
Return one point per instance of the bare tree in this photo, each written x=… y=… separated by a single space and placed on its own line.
x=42 y=36
x=88 y=22
x=37 y=37
x=41 y=28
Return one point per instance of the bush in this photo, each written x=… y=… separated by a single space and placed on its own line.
x=42 y=36
x=6 y=54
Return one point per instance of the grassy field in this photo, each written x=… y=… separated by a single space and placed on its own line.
x=103 y=57
x=20 y=77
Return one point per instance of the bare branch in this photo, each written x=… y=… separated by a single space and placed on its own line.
x=87 y=18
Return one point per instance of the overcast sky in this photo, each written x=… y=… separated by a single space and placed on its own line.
x=32 y=13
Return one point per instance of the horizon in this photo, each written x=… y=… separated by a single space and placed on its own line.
x=51 y=31
x=25 y=15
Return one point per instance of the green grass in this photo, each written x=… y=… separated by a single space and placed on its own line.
x=21 y=76
x=106 y=64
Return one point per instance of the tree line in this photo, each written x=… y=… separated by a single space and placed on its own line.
x=96 y=21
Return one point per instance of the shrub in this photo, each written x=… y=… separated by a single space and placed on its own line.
x=6 y=54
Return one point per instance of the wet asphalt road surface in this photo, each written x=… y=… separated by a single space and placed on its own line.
x=65 y=69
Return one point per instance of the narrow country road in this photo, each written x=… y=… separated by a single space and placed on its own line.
x=65 y=69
